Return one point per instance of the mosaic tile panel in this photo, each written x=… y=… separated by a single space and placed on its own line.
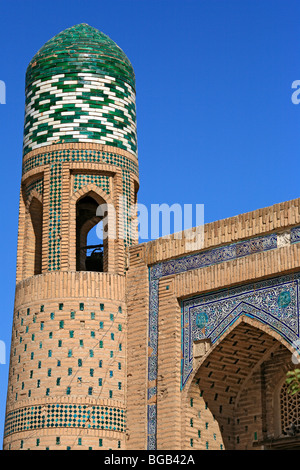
x=274 y=302
x=65 y=416
x=80 y=87
x=214 y=256
x=183 y=264
x=295 y=235
x=102 y=181
x=37 y=185
x=127 y=203
x=54 y=240
x=152 y=361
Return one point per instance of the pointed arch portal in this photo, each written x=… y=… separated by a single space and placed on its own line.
x=237 y=347
x=236 y=398
x=274 y=303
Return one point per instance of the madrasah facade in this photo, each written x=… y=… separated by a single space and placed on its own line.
x=159 y=345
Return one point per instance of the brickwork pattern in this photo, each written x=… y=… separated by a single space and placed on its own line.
x=67 y=355
x=63 y=171
x=96 y=357
x=163 y=397
x=233 y=399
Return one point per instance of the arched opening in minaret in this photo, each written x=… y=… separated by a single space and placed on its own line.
x=34 y=237
x=90 y=246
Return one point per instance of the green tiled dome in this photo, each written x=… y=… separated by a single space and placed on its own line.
x=80 y=48
x=80 y=87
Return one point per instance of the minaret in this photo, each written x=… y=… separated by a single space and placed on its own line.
x=67 y=378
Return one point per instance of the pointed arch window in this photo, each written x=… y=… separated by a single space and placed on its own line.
x=34 y=237
x=90 y=247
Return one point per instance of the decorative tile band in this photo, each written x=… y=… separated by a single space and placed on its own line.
x=295 y=235
x=274 y=302
x=84 y=156
x=183 y=264
x=152 y=362
x=214 y=256
x=65 y=416
x=80 y=107
x=127 y=204
x=55 y=199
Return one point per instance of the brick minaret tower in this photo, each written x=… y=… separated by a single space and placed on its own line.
x=67 y=378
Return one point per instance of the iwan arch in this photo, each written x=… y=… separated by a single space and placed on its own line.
x=221 y=381
x=138 y=346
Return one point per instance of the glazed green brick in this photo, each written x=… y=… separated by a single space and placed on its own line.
x=36 y=185
x=69 y=98
x=84 y=48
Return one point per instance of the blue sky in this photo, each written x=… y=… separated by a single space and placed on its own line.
x=216 y=124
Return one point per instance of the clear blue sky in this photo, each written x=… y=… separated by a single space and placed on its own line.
x=216 y=124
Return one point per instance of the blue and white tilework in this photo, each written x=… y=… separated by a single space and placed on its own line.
x=274 y=302
x=295 y=235
x=197 y=261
